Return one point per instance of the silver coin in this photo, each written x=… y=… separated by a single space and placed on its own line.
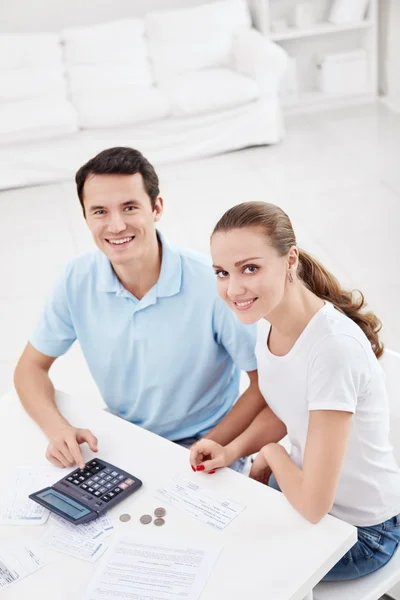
x=146 y=519
x=160 y=512
x=124 y=518
x=159 y=522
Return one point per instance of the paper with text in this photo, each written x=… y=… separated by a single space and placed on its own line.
x=190 y=497
x=100 y=528
x=143 y=567
x=63 y=540
x=17 y=561
x=16 y=508
x=106 y=522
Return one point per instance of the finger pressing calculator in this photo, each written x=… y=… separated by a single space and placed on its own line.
x=85 y=493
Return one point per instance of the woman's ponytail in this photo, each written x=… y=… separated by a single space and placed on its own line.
x=324 y=285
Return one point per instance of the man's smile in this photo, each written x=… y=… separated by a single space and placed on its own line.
x=122 y=241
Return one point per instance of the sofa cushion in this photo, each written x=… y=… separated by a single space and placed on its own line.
x=195 y=38
x=87 y=78
x=30 y=82
x=109 y=75
x=122 y=106
x=117 y=42
x=18 y=50
x=35 y=119
x=209 y=90
x=33 y=97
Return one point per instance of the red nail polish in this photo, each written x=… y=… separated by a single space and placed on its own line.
x=211 y=472
x=193 y=469
x=200 y=468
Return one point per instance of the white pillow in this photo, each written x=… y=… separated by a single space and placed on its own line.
x=195 y=38
x=103 y=77
x=209 y=90
x=120 y=107
x=120 y=42
x=31 y=83
x=35 y=119
x=29 y=50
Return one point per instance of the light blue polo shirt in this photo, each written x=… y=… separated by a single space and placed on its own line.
x=169 y=362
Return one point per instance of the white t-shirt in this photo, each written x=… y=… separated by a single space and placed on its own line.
x=332 y=367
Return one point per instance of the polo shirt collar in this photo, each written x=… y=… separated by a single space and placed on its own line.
x=108 y=281
x=169 y=281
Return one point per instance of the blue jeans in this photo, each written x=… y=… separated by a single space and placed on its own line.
x=375 y=547
x=238 y=465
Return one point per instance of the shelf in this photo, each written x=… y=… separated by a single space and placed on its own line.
x=311 y=101
x=318 y=29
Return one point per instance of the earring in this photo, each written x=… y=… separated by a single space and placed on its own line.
x=290 y=277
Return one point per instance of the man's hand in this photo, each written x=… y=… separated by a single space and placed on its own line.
x=63 y=449
x=260 y=470
x=206 y=455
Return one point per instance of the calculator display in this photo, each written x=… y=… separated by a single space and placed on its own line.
x=63 y=503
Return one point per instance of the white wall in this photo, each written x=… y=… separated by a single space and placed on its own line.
x=53 y=15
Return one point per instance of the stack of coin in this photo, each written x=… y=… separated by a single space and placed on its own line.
x=159 y=513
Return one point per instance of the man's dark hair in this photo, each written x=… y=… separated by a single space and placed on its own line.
x=119 y=161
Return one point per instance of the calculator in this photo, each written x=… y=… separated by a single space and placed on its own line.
x=85 y=493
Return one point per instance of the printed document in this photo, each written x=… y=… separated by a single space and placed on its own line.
x=190 y=497
x=99 y=528
x=17 y=561
x=16 y=508
x=67 y=542
x=148 y=568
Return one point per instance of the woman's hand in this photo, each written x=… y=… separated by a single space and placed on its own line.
x=260 y=470
x=206 y=456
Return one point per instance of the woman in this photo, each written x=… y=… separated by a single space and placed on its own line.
x=318 y=371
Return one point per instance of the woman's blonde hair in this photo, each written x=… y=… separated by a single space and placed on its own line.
x=275 y=223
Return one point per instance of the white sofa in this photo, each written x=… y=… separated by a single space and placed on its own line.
x=177 y=84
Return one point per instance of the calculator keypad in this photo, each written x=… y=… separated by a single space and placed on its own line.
x=103 y=482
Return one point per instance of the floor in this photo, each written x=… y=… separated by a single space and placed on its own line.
x=336 y=174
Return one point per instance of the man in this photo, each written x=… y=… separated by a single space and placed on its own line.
x=162 y=347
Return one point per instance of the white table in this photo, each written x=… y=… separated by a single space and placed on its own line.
x=269 y=551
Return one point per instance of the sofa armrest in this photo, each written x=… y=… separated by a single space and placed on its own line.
x=260 y=59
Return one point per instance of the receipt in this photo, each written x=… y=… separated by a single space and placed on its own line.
x=92 y=530
x=106 y=522
x=63 y=540
x=17 y=561
x=199 y=503
x=16 y=508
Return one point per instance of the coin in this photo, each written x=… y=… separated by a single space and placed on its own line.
x=158 y=522
x=160 y=512
x=125 y=517
x=146 y=519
